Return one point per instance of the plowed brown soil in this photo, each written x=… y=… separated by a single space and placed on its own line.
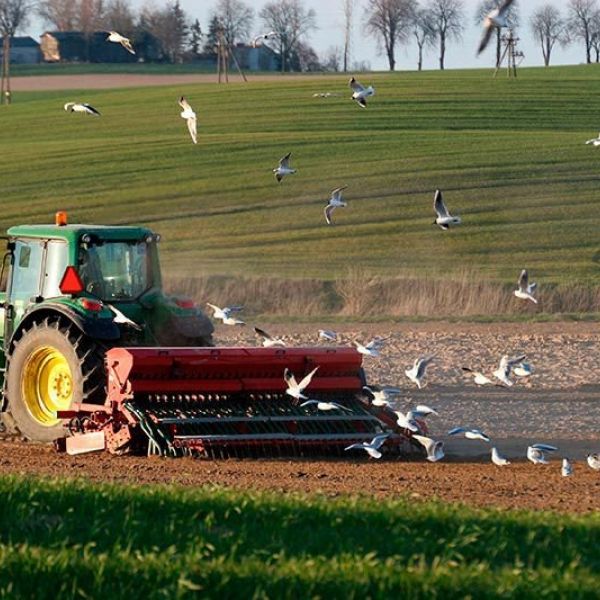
x=519 y=485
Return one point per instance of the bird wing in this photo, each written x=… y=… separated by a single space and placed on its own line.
x=127 y=45
x=192 y=126
x=91 y=109
x=511 y=362
x=362 y=102
x=353 y=446
x=485 y=39
x=263 y=333
x=337 y=193
x=523 y=280
x=545 y=447
x=378 y=440
x=328 y=212
x=355 y=86
x=306 y=381
x=285 y=161
x=457 y=430
x=438 y=204
x=502 y=10
x=214 y=307
x=309 y=402
x=426 y=410
x=289 y=378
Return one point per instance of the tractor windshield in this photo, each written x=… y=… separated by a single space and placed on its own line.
x=116 y=270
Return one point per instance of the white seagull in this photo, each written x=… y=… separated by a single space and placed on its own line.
x=593 y=460
x=443 y=219
x=257 y=41
x=478 y=377
x=417 y=372
x=406 y=421
x=190 y=118
x=121 y=319
x=328 y=335
x=435 y=449
x=81 y=107
x=284 y=168
x=335 y=201
x=498 y=459
x=496 y=18
x=505 y=367
x=322 y=405
x=371 y=349
x=224 y=314
x=594 y=141
x=268 y=341
x=360 y=93
x=567 y=468
x=372 y=447
x=324 y=95
x=120 y=39
x=294 y=388
x=535 y=453
x=470 y=434
x=382 y=395
x=525 y=289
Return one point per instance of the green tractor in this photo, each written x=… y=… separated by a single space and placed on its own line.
x=62 y=287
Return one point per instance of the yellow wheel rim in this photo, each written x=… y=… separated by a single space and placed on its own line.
x=46 y=385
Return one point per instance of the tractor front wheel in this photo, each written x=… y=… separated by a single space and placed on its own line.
x=51 y=366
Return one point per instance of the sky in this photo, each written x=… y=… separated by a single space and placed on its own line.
x=330 y=33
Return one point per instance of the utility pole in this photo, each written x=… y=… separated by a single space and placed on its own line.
x=510 y=53
x=5 y=92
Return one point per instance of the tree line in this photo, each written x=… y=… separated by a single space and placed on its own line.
x=429 y=24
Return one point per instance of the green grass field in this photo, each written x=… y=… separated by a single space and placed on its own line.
x=79 y=540
x=510 y=156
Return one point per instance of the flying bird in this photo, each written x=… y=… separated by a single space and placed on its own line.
x=81 y=107
x=525 y=289
x=478 y=377
x=523 y=369
x=294 y=388
x=443 y=219
x=435 y=449
x=470 y=434
x=190 y=118
x=417 y=372
x=502 y=373
x=535 y=453
x=495 y=19
x=335 y=201
x=360 y=93
x=120 y=39
x=381 y=396
x=257 y=41
x=566 y=468
x=372 y=447
x=225 y=314
x=371 y=349
x=121 y=319
x=593 y=460
x=268 y=341
x=406 y=421
x=284 y=168
x=498 y=459
x=321 y=405
x=328 y=335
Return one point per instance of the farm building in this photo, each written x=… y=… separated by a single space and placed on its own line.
x=261 y=58
x=77 y=46
x=23 y=51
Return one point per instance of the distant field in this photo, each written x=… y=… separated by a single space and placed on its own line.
x=508 y=154
x=75 y=540
x=103 y=68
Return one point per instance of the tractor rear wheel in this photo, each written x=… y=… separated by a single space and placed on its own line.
x=51 y=366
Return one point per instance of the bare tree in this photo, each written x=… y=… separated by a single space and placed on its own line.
x=236 y=19
x=332 y=60
x=91 y=15
x=581 y=14
x=389 y=22
x=548 y=28
x=423 y=31
x=512 y=18
x=348 y=10
x=169 y=26
x=61 y=14
x=119 y=16
x=291 y=21
x=447 y=19
x=13 y=15
x=595 y=35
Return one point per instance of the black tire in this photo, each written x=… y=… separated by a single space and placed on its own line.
x=86 y=363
